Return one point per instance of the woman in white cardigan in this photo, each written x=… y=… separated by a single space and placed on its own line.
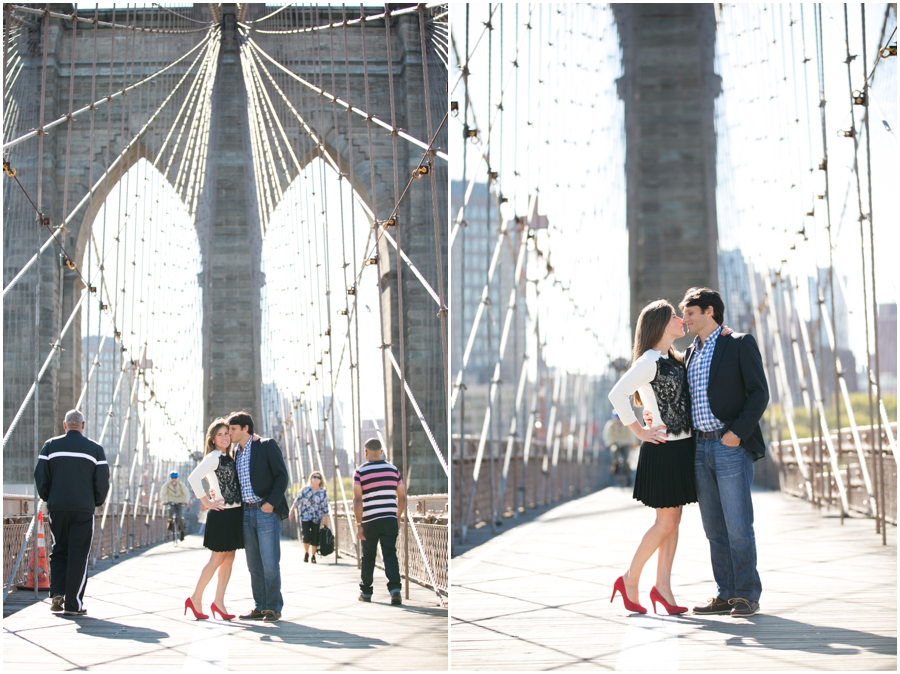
x=224 y=521
x=664 y=479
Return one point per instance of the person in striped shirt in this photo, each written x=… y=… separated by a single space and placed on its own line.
x=378 y=499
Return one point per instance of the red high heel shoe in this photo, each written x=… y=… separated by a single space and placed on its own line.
x=619 y=586
x=226 y=616
x=671 y=609
x=188 y=604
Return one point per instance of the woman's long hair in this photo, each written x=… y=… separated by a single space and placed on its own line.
x=211 y=436
x=651 y=325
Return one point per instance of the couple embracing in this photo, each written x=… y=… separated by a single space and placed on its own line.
x=702 y=410
x=246 y=504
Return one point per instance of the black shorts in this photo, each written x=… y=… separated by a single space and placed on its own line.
x=310 y=532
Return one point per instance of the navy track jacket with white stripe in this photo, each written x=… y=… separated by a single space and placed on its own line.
x=72 y=473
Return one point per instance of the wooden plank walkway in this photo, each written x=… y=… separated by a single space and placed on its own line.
x=135 y=622
x=536 y=597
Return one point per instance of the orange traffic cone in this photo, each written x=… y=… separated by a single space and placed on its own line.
x=43 y=567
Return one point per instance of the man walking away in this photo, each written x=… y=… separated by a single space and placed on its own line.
x=264 y=478
x=72 y=477
x=378 y=499
x=176 y=493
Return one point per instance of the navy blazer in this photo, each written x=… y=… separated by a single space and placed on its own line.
x=738 y=392
x=269 y=474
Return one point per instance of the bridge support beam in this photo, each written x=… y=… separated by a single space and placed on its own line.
x=230 y=245
x=669 y=89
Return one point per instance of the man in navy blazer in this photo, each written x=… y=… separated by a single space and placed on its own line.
x=264 y=478
x=729 y=395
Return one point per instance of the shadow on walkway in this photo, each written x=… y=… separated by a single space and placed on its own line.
x=293 y=633
x=774 y=630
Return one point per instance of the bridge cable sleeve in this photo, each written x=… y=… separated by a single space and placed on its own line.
x=102 y=24
x=106 y=99
x=270 y=15
x=362 y=113
x=336 y=24
x=98 y=183
x=182 y=16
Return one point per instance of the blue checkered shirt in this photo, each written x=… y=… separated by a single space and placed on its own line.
x=698 y=380
x=242 y=461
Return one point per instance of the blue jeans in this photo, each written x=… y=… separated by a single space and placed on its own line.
x=384 y=530
x=262 y=545
x=724 y=475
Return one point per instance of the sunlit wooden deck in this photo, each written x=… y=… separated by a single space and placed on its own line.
x=135 y=622
x=537 y=596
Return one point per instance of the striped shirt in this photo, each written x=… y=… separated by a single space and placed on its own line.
x=379 y=481
x=698 y=380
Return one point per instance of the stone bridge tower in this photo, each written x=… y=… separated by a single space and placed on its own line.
x=227 y=219
x=669 y=89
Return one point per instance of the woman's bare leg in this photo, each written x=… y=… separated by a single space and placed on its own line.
x=666 y=521
x=206 y=574
x=224 y=576
x=664 y=562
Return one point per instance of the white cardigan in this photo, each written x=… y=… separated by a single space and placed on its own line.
x=207 y=469
x=638 y=378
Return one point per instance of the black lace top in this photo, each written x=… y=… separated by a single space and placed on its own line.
x=670 y=386
x=227 y=476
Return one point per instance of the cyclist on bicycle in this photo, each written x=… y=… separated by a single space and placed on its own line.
x=175 y=495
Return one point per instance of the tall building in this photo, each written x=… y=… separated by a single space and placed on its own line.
x=472 y=250
x=98 y=406
x=887 y=347
x=820 y=313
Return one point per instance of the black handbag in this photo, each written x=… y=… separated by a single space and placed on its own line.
x=326 y=542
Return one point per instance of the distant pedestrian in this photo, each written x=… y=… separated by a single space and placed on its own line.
x=619 y=440
x=379 y=498
x=176 y=497
x=312 y=502
x=72 y=477
x=263 y=476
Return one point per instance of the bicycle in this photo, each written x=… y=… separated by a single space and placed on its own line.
x=176 y=523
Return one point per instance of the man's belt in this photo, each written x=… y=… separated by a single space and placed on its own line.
x=710 y=435
x=252 y=505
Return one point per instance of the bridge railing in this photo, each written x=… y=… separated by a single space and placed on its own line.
x=824 y=485
x=139 y=530
x=429 y=516
x=539 y=483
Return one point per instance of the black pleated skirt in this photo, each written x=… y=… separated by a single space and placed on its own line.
x=224 y=529
x=665 y=474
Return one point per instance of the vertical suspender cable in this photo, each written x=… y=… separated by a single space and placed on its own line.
x=401 y=315
x=877 y=377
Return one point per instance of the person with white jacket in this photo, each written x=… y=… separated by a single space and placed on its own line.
x=664 y=479
x=224 y=521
